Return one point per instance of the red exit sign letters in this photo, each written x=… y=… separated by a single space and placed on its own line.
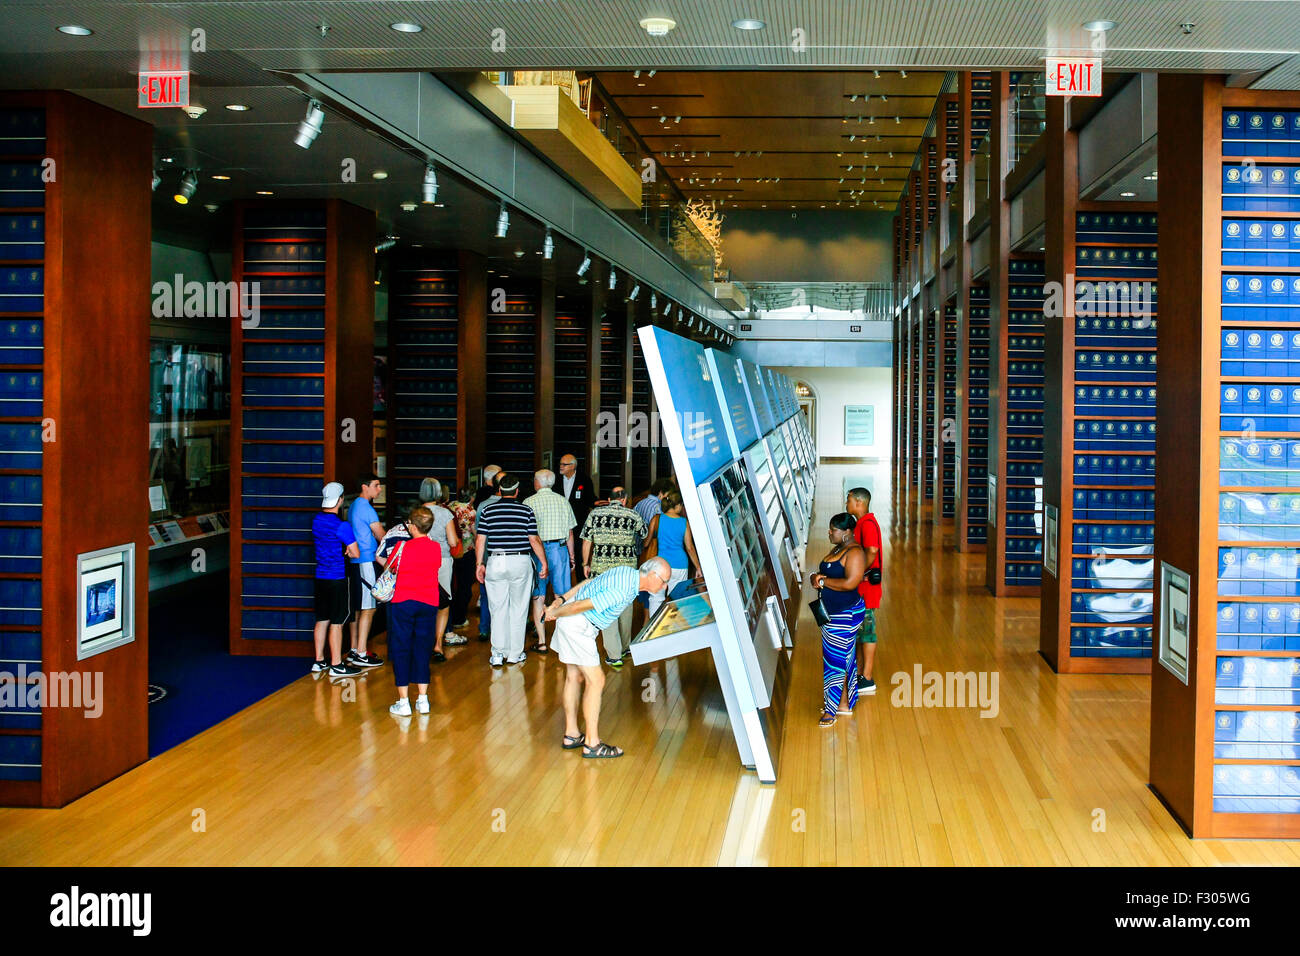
x=1073 y=76
x=160 y=88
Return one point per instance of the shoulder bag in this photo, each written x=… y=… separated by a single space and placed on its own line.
x=384 y=588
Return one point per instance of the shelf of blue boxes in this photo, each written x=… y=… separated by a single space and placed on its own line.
x=948 y=463
x=640 y=406
x=915 y=394
x=1023 y=477
x=977 y=422
x=423 y=320
x=282 y=420
x=512 y=380
x=1112 y=514
x=927 y=413
x=613 y=340
x=572 y=373
x=1257 y=672
x=22 y=391
x=951 y=143
x=981 y=108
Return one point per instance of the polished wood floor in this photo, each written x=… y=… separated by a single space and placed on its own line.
x=308 y=777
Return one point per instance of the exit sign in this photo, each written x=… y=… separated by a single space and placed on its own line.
x=1071 y=76
x=855 y=328
x=160 y=88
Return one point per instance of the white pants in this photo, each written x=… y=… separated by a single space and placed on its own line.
x=658 y=597
x=509 y=584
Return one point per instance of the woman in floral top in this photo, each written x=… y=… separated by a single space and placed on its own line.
x=463 y=585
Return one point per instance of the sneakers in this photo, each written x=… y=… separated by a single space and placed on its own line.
x=496 y=660
x=320 y=665
x=483 y=638
x=614 y=662
x=344 y=670
x=523 y=656
x=422 y=704
x=403 y=708
x=866 y=687
x=455 y=639
x=627 y=653
x=364 y=660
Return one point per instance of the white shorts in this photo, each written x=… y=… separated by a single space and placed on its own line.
x=574 y=641
x=361 y=578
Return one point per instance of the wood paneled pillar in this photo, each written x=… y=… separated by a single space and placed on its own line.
x=596 y=309
x=544 y=413
x=471 y=368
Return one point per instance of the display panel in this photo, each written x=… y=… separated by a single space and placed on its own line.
x=687 y=371
x=673 y=617
x=739 y=418
x=740 y=524
x=768 y=492
x=758 y=394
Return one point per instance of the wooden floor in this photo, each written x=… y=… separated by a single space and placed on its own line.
x=307 y=777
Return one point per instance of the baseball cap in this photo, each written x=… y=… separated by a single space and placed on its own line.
x=331 y=494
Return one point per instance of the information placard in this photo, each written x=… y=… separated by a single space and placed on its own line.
x=696 y=402
x=859 y=424
x=1051 y=534
x=1175 y=605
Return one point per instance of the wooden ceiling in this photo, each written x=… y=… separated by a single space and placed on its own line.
x=789 y=137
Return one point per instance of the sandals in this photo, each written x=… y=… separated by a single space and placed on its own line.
x=439 y=657
x=539 y=648
x=600 y=751
x=828 y=720
x=573 y=743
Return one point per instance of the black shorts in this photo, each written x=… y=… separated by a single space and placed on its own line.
x=332 y=602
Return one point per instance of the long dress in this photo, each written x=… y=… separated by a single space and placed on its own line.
x=839 y=639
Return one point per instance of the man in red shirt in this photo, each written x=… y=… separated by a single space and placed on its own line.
x=867 y=534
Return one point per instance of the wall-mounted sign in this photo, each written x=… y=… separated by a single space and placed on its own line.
x=1175 y=629
x=106 y=599
x=1051 y=540
x=855 y=328
x=746 y=327
x=160 y=88
x=1073 y=76
x=859 y=424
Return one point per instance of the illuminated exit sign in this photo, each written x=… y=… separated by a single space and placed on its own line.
x=1071 y=76
x=160 y=88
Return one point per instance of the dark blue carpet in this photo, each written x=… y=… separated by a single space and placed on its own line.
x=188 y=654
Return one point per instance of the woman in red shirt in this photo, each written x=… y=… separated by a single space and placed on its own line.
x=413 y=612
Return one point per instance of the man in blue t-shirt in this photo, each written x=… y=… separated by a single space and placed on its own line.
x=333 y=539
x=580 y=614
x=361 y=570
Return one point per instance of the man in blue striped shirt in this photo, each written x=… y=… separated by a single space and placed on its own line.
x=580 y=615
x=506 y=531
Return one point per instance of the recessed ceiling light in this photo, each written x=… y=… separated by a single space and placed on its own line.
x=658 y=26
x=1127 y=195
x=266 y=192
x=75 y=30
x=238 y=107
x=404 y=27
x=379 y=174
x=1099 y=26
x=1151 y=176
x=219 y=176
x=748 y=23
x=409 y=206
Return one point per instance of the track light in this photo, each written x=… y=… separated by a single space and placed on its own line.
x=662 y=120
x=429 y=188
x=636 y=74
x=548 y=246
x=654 y=302
x=156 y=180
x=385 y=244
x=853 y=137
x=636 y=291
x=853 y=98
x=189 y=183
x=613 y=279
x=873 y=122
x=311 y=125
x=586 y=264
x=876 y=74
x=903 y=74
x=503 y=222
x=677 y=119
x=652 y=73
x=897 y=121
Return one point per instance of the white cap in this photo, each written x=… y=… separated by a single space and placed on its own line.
x=330 y=494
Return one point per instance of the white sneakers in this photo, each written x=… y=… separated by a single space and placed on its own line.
x=523 y=656
x=403 y=706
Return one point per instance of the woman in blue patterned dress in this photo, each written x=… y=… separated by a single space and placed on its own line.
x=838 y=578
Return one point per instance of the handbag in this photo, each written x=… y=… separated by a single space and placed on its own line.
x=384 y=588
x=819 y=612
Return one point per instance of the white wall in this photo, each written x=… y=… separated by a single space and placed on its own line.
x=836 y=387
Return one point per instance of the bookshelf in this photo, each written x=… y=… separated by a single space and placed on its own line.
x=948 y=453
x=512 y=394
x=572 y=378
x=614 y=346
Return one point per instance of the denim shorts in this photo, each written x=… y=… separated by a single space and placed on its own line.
x=557 y=566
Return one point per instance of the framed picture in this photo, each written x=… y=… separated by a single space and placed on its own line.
x=105 y=600
x=1175 y=630
x=1051 y=543
x=546 y=459
x=198 y=460
x=475 y=478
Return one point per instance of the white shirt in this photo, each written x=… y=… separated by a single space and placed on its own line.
x=568 y=483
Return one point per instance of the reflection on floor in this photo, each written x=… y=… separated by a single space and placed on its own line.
x=319 y=773
x=189 y=657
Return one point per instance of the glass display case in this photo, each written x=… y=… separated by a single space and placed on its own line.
x=740 y=525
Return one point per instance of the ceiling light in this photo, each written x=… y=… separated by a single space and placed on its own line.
x=379 y=174
x=220 y=177
x=405 y=27
x=189 y=184
x=156 y=180
x=903 y=74
x=873 y=121
x=238 y=107
x=853 y=98
x=503 y=222
x=677 y=119
x=409 y=206
x=652 y=73
x=1127 y=195
x=897 y=121
x=658 y=26
x=76 y=31
x=876 y=74
x=613 y=279
x=748 y=23
x=311 y=125
x=853 y=137
x=429 y=186
x=1151 y=176
x=1099 y=26
x=548 y=246
x=168 y=159
x=385 y=244
x=586 y=264
x=266 y=192
x=662 y=120
x=211 y=207
x=194 y=111
x=636 y=291
x=519 y=253
x=636 y=74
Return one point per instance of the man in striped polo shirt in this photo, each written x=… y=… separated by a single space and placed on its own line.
x=505 y=539
x=581 y=613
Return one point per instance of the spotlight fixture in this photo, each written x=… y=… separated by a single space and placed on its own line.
x=238 y=107
x=636 y=291
x=1099 y=26
x=379 y=174
x=654 y=302
x=189 y=184
x=1151 y=176
x=211 y=207
x=613 y=279
x=636 y=74
x=503 y=222
x=677 y=119
x=903 y=74
x=662 y=120
x=658 y=26
x=853 y=137
x=548 y=245
x=409 y=206
x=652 y=73
x=876 y=74
x=873 y=121
x=884 y=98
x=75 y=30
x=429 y=187
x=404 y=26
x=897 y=121
x=668 y=310
x=385 y=244
x=311 y=125
x=220 y=178
x=586 y=264
x=156 y=180
x=1128 y=195
x=748 y=23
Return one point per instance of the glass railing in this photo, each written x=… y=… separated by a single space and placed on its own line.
x=1028 y=116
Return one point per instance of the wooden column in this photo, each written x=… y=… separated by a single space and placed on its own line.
x=962 y=279
x=1223 y=486
x=628 y=309
x=596 y=308
x=74 y=445
x=544 y=413
x=471 y=367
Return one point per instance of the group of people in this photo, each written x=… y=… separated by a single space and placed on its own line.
x=517 y=549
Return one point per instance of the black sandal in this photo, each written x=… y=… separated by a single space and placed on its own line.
x=602 y=750
x=573 y=743
x=439 y=656
x=539 y=648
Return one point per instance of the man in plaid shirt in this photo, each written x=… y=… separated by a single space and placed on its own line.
x=555 y=524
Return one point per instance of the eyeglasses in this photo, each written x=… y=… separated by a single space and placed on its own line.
x=664 y=580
